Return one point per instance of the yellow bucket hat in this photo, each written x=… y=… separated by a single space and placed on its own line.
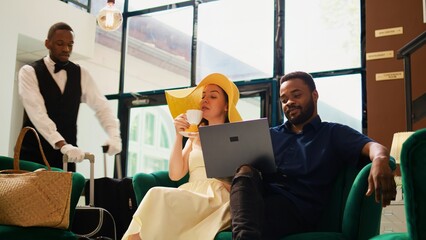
x=189 y=98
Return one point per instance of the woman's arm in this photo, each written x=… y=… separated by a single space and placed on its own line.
x=178 y=164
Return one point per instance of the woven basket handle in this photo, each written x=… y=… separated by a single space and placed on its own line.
x=18 y=149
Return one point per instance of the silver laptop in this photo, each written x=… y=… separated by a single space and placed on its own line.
x=228 y=146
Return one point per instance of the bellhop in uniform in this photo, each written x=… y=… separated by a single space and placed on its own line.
x=51 y=90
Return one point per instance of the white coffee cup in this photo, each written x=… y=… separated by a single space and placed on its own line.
x=194 y=117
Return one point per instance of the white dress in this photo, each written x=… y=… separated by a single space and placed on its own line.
x=197 y=210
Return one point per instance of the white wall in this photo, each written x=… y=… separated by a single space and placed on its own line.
x=23 y=19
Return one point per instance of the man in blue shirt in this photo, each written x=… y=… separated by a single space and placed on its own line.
x=309 y=154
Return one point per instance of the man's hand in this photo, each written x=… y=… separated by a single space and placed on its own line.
x=74 y=154
x=381 y=181
x=114 y=145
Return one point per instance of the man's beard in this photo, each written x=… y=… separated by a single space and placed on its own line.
x=305 y=113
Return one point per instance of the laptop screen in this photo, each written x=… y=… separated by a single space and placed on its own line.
x=228 y=146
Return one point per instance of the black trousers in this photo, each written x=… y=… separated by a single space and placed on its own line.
x=259 y=213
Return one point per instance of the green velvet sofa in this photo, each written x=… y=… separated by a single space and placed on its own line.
x=413 y=172
x=349 y=214
x=8 y=232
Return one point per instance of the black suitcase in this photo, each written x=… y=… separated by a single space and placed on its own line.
x=92 y=222
x=115 y=195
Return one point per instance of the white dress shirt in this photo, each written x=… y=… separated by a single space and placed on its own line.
x=33 y=101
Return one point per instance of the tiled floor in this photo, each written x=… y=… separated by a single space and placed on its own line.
x=393 y=216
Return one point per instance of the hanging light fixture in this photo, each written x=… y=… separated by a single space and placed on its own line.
x=110 y=18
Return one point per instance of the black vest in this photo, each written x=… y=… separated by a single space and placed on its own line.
x=61 y=108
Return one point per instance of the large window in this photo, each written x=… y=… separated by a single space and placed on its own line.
x=150 y=151
x=158 y=52
x=135 y=5
x=337 y=105
x=236 y=38
x=174 y=44
x=324 y=37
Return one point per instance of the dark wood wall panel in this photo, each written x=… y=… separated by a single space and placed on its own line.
x=386 y=99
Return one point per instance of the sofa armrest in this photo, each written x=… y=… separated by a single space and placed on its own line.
x=362 y=214
x=142 y=182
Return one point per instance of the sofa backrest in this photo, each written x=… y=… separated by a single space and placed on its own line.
x=413 y=171
x=331 y=220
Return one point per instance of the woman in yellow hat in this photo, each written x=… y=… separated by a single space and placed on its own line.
x=198 y=209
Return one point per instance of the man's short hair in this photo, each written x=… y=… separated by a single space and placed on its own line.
x=306 y=77
x=58 y=26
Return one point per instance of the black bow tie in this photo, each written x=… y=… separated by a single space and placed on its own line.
x=60 y=66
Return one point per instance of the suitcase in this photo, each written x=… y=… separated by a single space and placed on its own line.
x=92 y=222
x=115 y=195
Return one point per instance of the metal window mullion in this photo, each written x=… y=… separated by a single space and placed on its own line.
x=194 y=44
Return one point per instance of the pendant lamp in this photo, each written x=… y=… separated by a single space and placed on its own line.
x=110 y=18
